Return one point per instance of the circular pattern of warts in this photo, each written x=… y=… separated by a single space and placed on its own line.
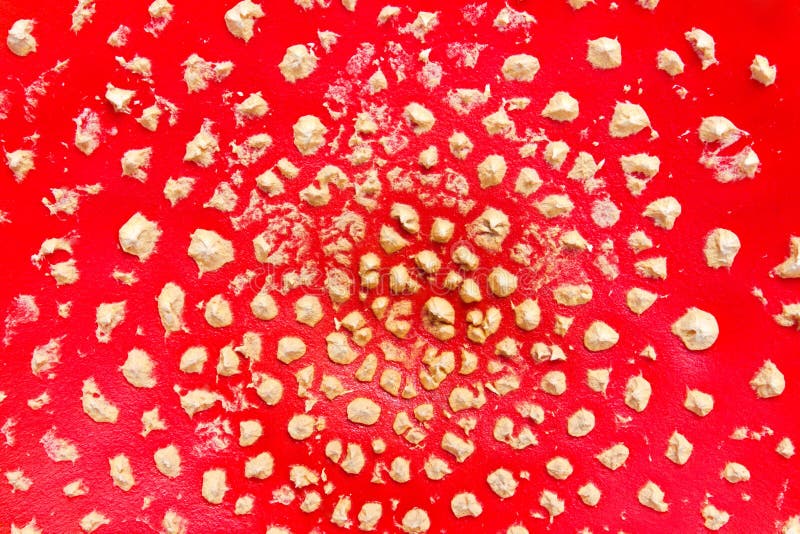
x=347 y=289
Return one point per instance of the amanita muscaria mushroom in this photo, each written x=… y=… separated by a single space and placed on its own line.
x=395 y=269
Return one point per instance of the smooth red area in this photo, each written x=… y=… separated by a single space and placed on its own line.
x=761 y=211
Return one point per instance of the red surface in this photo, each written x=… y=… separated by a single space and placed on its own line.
x=761 y=211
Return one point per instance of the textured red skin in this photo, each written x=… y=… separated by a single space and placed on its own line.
x=761 y=211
